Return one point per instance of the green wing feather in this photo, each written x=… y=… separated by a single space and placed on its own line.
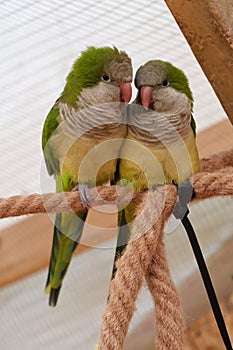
x=193 y=125
x=67 y=228
x=62 y=251
x=67 y=233
x=50 y=125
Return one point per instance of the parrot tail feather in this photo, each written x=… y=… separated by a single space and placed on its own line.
x=62 y=251
x=122 y=239
x=54 y=293
x=47 y=288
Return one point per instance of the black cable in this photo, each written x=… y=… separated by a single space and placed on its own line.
x=207 y=281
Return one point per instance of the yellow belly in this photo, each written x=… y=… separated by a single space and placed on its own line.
x=93 y=161
x=148 y=166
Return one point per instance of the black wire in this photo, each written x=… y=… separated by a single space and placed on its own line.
x=207 y=281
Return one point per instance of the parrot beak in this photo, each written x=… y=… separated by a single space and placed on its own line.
x=125 y=92
x=146 y=96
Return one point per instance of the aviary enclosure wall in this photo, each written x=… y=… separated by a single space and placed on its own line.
x=39 y=42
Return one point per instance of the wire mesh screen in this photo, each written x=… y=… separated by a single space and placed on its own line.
x=39 y=41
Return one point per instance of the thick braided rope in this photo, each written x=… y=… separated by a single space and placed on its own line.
x=215 y=184
x=217 y=161
x=170 y=325
x=132 y=266
x=64 y=201
x=206 y=185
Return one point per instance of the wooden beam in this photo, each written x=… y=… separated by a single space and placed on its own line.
x=208 y=28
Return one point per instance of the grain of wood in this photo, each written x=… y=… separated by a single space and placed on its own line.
x=207 y=26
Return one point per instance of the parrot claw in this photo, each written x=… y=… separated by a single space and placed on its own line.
x=185 y=195
x=84 y=194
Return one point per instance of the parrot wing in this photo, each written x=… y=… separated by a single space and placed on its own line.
x=50 y=125
x=193 y=125
x=68 y=225
x=66 y=236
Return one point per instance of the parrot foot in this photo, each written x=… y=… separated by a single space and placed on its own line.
x=84 y=193
x=185 y=195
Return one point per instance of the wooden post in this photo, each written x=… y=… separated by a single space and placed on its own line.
x=208 y=28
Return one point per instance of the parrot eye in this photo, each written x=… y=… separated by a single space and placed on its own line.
x=165 y=83
x=105 y=78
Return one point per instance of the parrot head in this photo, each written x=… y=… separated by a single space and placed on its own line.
x=162 y=87
x=105 y=65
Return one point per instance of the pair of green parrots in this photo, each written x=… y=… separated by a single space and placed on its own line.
x=91 y=137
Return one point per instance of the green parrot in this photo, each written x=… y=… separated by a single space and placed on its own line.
x=160 y=146
x=81 y=140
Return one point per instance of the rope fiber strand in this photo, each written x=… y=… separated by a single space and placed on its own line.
x=170 y=326
x=145 y=255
